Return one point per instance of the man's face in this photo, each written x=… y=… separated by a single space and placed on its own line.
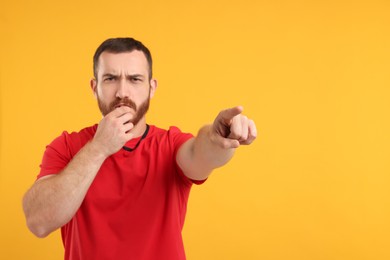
x=123 y=80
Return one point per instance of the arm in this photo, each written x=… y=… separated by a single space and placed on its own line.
x=215 y=144
x=53 y=200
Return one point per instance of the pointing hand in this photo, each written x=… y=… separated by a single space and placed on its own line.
x=232 y=129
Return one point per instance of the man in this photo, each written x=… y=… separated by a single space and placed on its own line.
x=119 y=189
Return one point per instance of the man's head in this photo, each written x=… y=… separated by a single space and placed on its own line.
x=123 y=77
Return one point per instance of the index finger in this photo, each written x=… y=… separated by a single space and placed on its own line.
x=229 y=113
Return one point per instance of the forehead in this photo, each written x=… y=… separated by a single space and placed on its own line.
x=133 y=62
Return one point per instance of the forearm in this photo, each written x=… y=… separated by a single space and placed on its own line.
x=53 y=201
x=202 y=154
x=209 y=152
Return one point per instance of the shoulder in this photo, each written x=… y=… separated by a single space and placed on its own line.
x=86 y=132
x=172 y=134
x=73 y=141
x=62 y=149
x=154 y=130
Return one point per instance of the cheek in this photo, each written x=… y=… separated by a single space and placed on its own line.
x=106 y=93
x=141 y=95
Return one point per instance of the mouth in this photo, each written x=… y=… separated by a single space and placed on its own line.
x=121 y=105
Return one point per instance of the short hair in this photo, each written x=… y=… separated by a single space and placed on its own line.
x=120 y=45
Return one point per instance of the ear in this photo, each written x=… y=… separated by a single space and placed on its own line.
x=93 y=84
x=153 y=87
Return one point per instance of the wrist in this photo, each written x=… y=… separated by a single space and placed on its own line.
x=96 y=150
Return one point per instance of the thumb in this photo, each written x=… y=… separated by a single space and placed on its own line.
x=225 y=143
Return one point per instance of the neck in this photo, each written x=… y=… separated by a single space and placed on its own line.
x=139 y=128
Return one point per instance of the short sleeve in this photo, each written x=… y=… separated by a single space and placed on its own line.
x=56 y=156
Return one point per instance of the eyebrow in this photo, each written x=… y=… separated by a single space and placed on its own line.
x=135 y=76
x=109 y=75
x=130 y=76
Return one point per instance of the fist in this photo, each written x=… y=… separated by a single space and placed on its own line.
x=232 y=129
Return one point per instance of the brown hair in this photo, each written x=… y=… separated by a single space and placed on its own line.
x=119 y=45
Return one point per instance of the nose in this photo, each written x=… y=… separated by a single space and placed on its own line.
x=123 y=89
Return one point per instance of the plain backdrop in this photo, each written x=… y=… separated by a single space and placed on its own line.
x=314 y=75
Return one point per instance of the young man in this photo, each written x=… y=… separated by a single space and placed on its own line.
x=119 y=189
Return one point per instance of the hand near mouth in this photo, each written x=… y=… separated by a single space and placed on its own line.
x=114 y=130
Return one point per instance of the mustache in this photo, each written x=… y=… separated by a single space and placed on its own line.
x=123 y=102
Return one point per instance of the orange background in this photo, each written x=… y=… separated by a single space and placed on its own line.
x=314 y=75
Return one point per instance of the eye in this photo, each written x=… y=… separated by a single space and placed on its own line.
x=135 y=79
x=108 y=79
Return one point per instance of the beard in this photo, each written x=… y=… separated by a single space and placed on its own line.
x=140 y=111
